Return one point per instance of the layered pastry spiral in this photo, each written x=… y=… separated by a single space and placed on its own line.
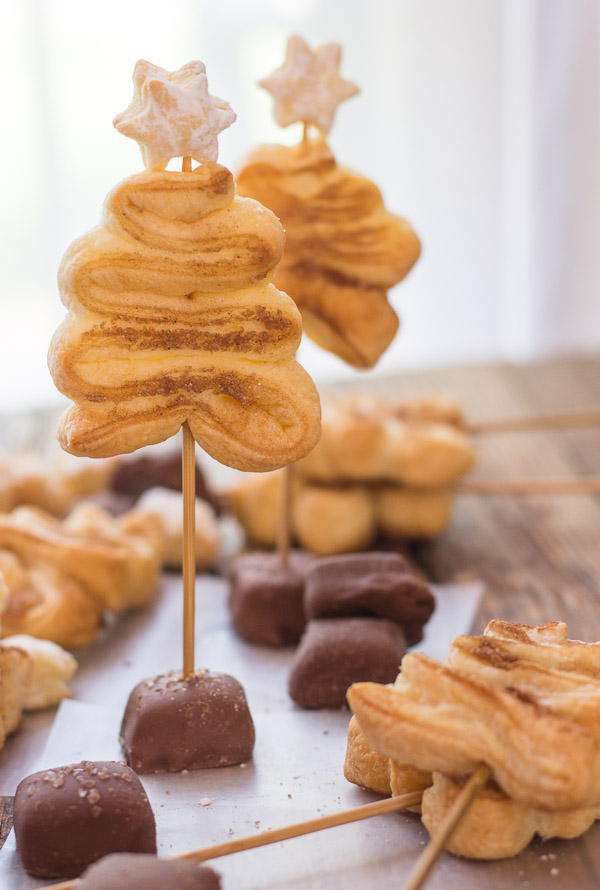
x=522 y=699
x=173 y=318
x=344 y=250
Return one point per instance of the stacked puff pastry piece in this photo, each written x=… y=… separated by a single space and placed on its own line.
x=380 y=468
x=525 y=700
x=344 y=249
x=66 y=561
x=34 y=674
x=63 y=575
x=173 y=318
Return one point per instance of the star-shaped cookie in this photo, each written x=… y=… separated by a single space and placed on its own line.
x=173 y=115
x=308 y=86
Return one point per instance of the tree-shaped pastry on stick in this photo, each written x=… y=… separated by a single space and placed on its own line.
x=172 y=314
x=173 y=321
x=344 y=250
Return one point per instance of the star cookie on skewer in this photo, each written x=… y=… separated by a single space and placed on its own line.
x=308 y=86
x=173 y=115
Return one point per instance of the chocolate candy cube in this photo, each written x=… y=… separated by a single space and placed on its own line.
x=336 y=652
x=67 y=818
x=266 y=597
x=173 y=723
x=374 y=584
x=123 y=872
x=152 y=469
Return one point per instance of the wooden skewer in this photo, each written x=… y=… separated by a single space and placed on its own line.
x=366 y=811
x=378 y=808
x=64 y=885
x=189 y=549
x=284 y=525
x=304 y=142
x=585 y=485
x=427 y=859
x=539 y=422
x=188 y=466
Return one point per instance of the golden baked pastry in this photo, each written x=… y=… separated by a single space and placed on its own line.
x=344 y=249
x=15 y=670
x=51 y=668
x=515 y=677
x=365 y=438
x=363 y=765
x=45 y=602
x=158 y=516
x=172 y=318
x=54 y=484
x=553 y=763
x=117 y=570
x=497 y=826
x=328 y=519
x=33 y=675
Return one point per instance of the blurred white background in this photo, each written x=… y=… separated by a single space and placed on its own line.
x=479 y=119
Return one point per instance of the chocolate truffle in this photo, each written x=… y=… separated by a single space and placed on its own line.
x=68 y=817
x=379 y=585
x=123 y=872
x=137 y=474
x=171 y=723
x=336 y=652
x=266 y=597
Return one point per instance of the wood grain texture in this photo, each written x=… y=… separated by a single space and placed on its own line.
x=538 y=556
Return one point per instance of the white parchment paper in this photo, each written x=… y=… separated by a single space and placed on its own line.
x=295 y=773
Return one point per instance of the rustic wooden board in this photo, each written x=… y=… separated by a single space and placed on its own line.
x=539 y=557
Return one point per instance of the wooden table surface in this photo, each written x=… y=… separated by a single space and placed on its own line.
x=539 y=557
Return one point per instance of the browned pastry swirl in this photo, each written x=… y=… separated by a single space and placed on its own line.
x=344 y=249
x=172 y=317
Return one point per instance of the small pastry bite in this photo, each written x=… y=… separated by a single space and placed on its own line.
x=411 y=513
x=497 y=826
x=363 y=765
x=45 y=602
x=164 y=507
x=118 y=570
x=339 y=517
x=334 y=519
x=52 y=484
x=344 y=250
x=172 y=314
x=69 y=817
x=15 y=675
x=365 y=438
x=33 y=674
x=381 y=467
x=172 y=723
x=377 y=585
x=122 y=871
x=51 y=668
x=524 y=700
x=266 y=597
x=334 y=652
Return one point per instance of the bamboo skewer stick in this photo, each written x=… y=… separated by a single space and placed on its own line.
x=188 y=465
x=378 y=808
x=577 y=485
x=366 y=811
x=284 y=524
x=536 y=422
x=427 y=859
x=189 y=549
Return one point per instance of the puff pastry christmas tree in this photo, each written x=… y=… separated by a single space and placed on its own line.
x=174 y=322
x=344 y=250
x=172 y=313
